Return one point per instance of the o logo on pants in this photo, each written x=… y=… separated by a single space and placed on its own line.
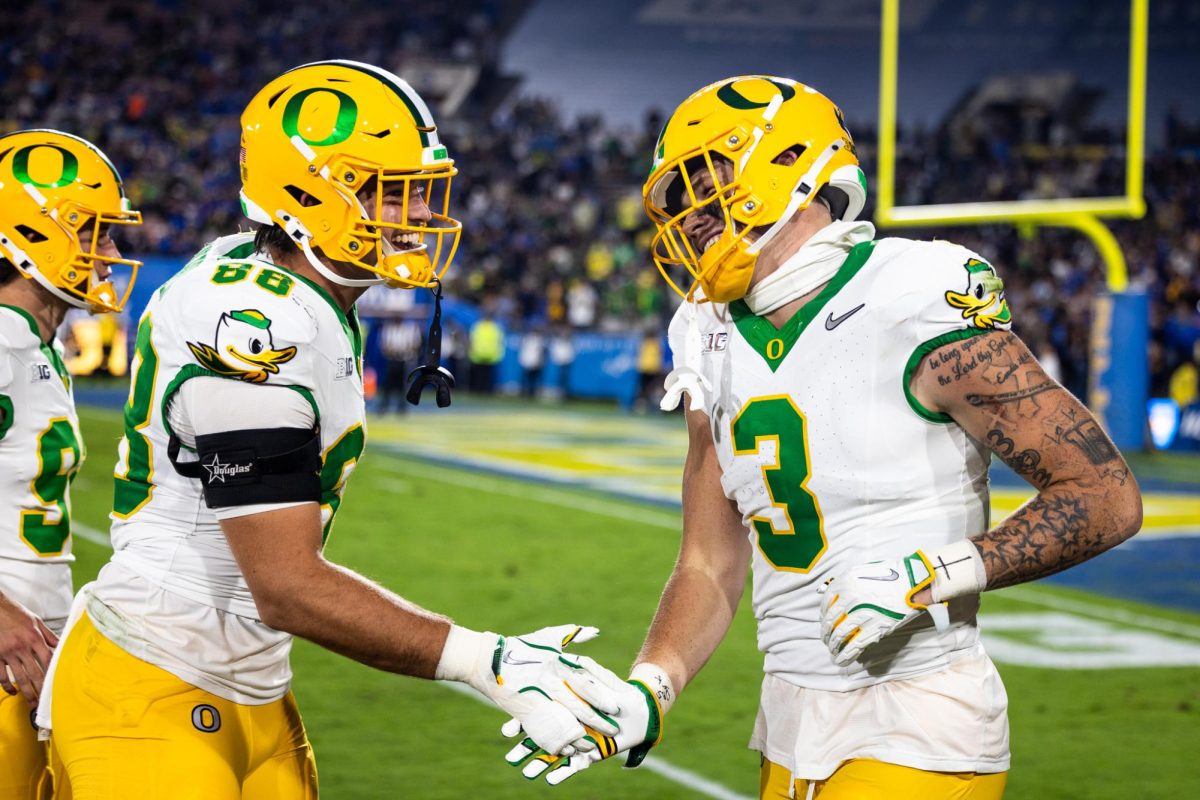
x=206 y=719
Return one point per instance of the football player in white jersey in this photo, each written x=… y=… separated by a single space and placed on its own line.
x=244 y=421
x=59 y=198
x=843 y=396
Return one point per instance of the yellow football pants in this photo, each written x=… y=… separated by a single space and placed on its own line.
x=23 y=773
x=863 y=779
x=128 y=730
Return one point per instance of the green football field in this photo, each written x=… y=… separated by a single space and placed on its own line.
x=510 y=555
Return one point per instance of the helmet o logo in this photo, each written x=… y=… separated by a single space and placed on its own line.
x=730 y=96
x=343 y=126
x=70 y=166
x=206 y=718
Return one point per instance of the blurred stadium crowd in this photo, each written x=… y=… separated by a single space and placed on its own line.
x=554 y=234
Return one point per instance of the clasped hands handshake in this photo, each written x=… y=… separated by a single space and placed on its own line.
x=568 y=712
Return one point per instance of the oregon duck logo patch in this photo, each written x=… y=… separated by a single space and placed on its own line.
x=983 y=302
x=243 y=348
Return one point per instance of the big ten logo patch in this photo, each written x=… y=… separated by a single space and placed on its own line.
x=713 y=342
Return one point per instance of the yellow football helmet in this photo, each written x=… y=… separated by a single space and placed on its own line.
x=52 y=186
x=730 y=136
x=316 y=136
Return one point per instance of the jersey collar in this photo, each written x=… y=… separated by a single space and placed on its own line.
x=774 y=344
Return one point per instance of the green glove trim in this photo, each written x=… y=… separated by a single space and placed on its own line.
x=496 y=658
x=654 y=727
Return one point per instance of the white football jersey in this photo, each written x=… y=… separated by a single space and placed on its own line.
x=40 y=452
x=232 y=315
x=830 y=459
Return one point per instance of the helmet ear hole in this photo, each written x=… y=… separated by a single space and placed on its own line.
x=300 y=196
x=789 y=155
x=32 y=236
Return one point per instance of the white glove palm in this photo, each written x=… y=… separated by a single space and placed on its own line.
x=639 y=717
x=870 y=601
x=519 y=674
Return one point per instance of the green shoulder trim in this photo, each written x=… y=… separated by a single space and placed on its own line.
x=774 y=344
x=6 y=414
x=55 y=358
x=915 y=359
x=189 y=371
x=239 y=253
x=27 y=317
x=47 y=348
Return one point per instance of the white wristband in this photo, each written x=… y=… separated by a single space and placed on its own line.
x=657 y=681
x=464 y=651
x=957 y=570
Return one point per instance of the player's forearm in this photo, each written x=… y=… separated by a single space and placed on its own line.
x=348 y=614
x=693 y=617
x=1088 y=500
x=1065 y=524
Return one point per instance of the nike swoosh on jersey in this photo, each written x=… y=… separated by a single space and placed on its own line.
x=892 y=574
x=832 y=322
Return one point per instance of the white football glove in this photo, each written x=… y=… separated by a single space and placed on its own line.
x=518 y=674
x=640 y=717
x=870 y=601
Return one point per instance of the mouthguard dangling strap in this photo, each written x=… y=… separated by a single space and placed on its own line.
x=432 y=373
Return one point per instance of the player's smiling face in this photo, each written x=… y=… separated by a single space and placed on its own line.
x=704 y=225
x=392 y=208
x=105 y=246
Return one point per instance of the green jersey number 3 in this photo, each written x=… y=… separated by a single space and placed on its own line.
x=58 y=450
x=793 y=538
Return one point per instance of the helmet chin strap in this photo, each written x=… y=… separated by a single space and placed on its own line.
x=328 y=272
x=300 y=235
x=48 y=285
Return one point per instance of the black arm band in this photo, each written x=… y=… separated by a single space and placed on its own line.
x=267 y=465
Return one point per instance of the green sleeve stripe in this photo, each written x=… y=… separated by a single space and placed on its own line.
x=914 y=361
x=307 y=395
x=6 y=414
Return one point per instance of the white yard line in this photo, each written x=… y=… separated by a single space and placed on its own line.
x=81 y=531
x=1031 y=595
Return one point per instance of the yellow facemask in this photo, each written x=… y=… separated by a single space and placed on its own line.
x=53 y=187
x=316 y=136
x=739 y=128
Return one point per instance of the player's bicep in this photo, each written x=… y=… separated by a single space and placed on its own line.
x=276 y=551
x=1002 y=397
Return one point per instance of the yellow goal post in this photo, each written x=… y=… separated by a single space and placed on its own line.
x=1082 y=214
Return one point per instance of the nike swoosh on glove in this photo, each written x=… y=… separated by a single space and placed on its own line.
x=871 y=601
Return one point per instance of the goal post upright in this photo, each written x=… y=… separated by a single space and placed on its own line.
x=1123 y=410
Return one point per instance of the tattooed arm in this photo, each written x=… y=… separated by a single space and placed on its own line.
x=1087 y=501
